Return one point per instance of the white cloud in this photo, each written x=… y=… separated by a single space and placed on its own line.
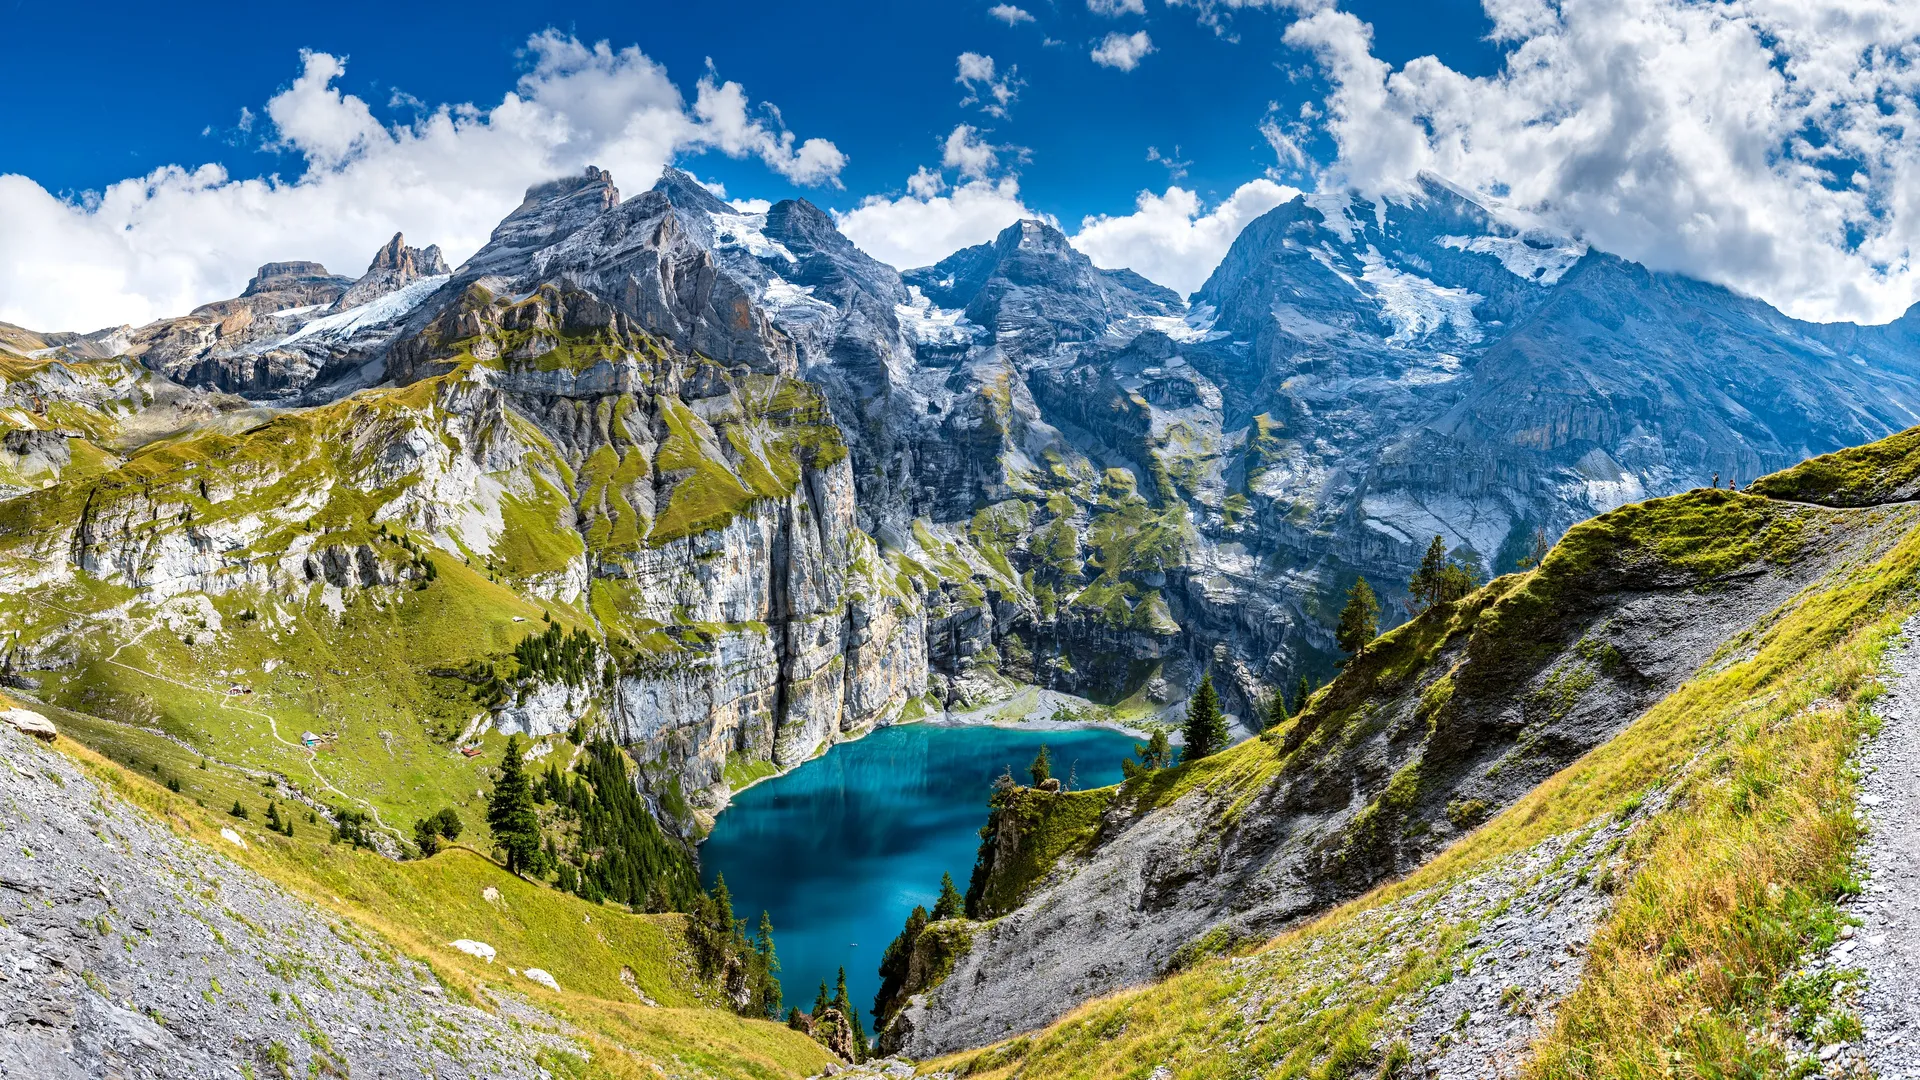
x=1769 y=145
x=1009 y=14
x=926 y=183
x=994 y=96
x=1122 y=51
x=1170 y=238
x=919 y=230
x=967 y=151
x=160 y=244
x=1211 y=12
x=1117 y=8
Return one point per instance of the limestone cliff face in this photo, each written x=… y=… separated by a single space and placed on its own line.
x=701 y=513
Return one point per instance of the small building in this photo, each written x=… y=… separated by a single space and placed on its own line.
x=308 y=738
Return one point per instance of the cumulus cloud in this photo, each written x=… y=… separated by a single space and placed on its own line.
x=1216 y=14
x=1171 y=238
x=159 y=244
x=918 y=229
x=1116 y=8
x=993 y=95
x=1769 y=145
x=1009 y=14
x=966 y=151
x=1122 y=51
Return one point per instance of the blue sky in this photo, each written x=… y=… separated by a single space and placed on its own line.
x=151 y=156
x=877 y=77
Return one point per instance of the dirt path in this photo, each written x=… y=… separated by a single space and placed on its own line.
x=224 y=702
x=1887 y=947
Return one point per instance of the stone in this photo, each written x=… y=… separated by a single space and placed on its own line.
x=31 y=723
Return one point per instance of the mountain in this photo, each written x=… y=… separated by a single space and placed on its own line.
x=718 y=486
x=1592 y=818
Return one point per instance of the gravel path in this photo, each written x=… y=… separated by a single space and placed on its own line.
x=1887 y=947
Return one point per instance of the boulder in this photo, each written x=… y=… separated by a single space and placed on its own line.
x=30 y=722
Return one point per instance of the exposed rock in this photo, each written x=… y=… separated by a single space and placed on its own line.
x=115 y=969
x=31 y=723
x=394 y=266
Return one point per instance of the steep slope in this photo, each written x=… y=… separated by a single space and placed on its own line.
x=1664 y=710
x=148 y=936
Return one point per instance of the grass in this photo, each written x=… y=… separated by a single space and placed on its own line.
x=417 y=907
x=1725 y=888
x=1867 y=475
x=1049 y=826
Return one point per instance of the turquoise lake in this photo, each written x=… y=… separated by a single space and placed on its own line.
x=839 y=850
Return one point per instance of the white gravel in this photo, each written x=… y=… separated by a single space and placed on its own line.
x=1887 y=946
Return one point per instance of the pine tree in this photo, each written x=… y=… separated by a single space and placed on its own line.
x=845 y=1006
x=1426 y=584
x=1277 y=713
x=1301 y=692
x=821 y=1002
x=1042 y=766
x=1360 y=619
x=1206 y=730
x=894 y=963
x=516 y=828
x=1159 y=752
x=950 y=904
x=768 y=966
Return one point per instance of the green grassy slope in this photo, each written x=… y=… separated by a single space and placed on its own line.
x=1719 y=892
x=603 y=958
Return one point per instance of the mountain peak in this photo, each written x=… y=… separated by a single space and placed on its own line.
x=594 y=180
x=275 y=276
x=1035 y=235
x=415 y=262
x=394 y=266
x=686 y=193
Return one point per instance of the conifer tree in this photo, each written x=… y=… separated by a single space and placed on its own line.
x=516 y=828
x=845 y=1006
x=1206 y=730
x=1277 y=713
x=1042 y=766
x=1301 y=692
x=1426 y=583
x=1360 y=619
x=767 y=969
x=1159 y=751
x=950 y=904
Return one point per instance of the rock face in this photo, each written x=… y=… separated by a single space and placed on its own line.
x=114 y=969
x=787 y=489
x=394 y=266
x=1423 y=737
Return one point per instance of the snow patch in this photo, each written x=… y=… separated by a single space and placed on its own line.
x=1608 y=486
x=1337 y=208
x=745 y=232
x=288 y=313
x=794 y=303
x=393 y=306
x=1441 y=367
x=1416 y=306
x=926 y=324
x=1542 y=260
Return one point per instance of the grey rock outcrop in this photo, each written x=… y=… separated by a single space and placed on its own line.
x=394 y=266
x=1390 y=770
x=131 y=951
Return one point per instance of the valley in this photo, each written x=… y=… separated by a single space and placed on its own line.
x=705 y=521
